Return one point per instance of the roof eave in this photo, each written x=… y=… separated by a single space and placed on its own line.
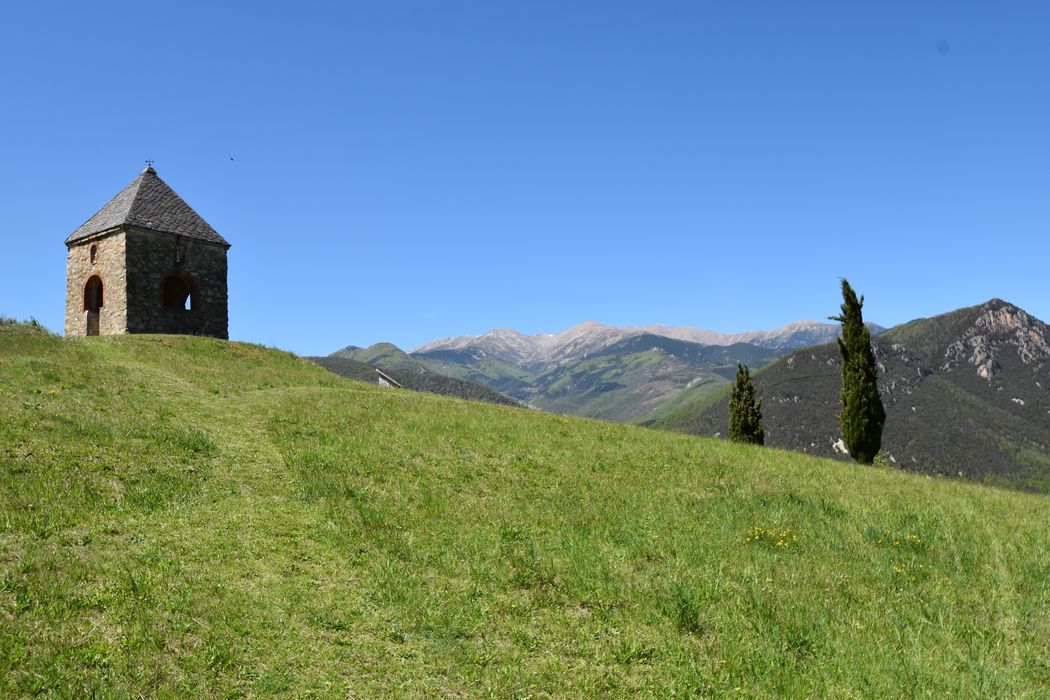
x=144 y=229
x=70 y=242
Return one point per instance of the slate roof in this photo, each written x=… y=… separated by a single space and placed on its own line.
x=149 y=203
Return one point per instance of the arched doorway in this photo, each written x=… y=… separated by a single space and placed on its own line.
x=93 y=294
x=177 y=293
x=93 y=302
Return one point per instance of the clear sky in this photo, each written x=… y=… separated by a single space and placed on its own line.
x=403 y=171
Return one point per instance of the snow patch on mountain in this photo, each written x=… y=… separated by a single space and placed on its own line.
x=590 y=337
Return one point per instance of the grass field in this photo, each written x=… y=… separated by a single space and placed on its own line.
x=185 y=517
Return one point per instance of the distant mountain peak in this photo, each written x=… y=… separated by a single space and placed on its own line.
x=387 y=347
x=999 y=326
x=523 y=350
x=587 y=326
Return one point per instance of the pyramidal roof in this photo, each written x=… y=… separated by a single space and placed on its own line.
x=149 y=203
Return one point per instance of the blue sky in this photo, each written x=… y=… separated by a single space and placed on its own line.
x=404 y=171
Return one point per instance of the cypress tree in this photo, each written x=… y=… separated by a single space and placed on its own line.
x=862 y=415
x=745 y=415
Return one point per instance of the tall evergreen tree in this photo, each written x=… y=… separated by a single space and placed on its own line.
x=862 y=415
x=745 y=414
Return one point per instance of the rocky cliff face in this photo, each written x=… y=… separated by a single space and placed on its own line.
x=999 y=328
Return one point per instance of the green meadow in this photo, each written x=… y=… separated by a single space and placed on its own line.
x=188 y=517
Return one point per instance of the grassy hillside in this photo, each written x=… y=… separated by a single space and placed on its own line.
x=385 y=355
x=190 y=517
x=635 y=377
x=415 y=378
x=483 y=369
x=687 y=403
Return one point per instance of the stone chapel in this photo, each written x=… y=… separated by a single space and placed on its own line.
x=146 y=263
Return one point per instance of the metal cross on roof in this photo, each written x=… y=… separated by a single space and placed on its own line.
x=149 y=162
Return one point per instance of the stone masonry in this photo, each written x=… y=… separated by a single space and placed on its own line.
x=151 y=257
x=146 y=263
x=111 y=267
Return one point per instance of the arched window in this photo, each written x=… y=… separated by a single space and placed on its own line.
x=93 y=294
x=177 y=293
x=94 y=253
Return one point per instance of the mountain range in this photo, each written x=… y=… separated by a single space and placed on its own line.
x=597 y=370
x=537 y=351
x=967 y=394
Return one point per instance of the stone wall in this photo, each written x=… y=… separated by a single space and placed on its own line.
x=109 y=266
x=151 y=258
